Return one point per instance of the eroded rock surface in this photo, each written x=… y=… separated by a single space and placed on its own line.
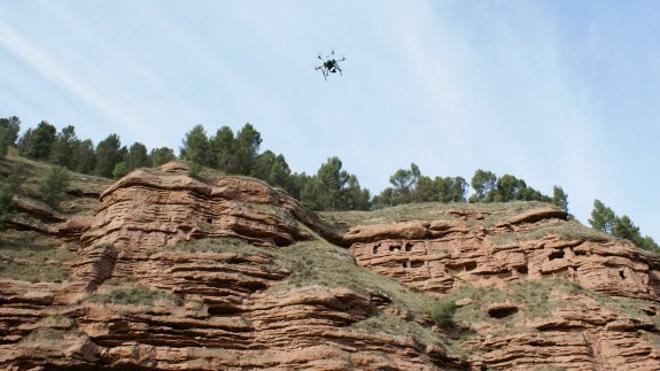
x=227 y=273
x=228 y=318
x=444 y=256
x=230 y=309
x=437 y=256
x=151 y=208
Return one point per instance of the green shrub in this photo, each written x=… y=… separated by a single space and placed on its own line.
x=8 y=188
x=194 y=170
x=120 y=170
x=442 y=313
x=5 y=141
x=54 y=184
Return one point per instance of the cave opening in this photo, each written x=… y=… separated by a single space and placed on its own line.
x=395 y=248
x=556 y=255
x=416 y=264
x=501 y=312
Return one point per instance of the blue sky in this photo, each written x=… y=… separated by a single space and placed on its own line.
x=557 y=92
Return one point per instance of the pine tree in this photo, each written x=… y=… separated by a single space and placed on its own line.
x=54 y=184
x=223 y=151
x=64 y=148
x=108 y=154
x=602 y=218
x=13 y=126
x=137 y=156
x=37 y=143
x=5 y=141
x=196 y=146
x=160 y=156
x=333 y=188
x=483 y=183
x=403 y=183
x=426 y=189
x=84 y=157
x=248 y=140
x=559 y=198
x=384 y=199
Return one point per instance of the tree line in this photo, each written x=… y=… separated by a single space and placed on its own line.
x=331 y=188
x=409 y=185
x=107 y=159
x=239 y=153
x=605 y=220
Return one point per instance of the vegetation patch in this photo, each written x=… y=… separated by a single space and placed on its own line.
x=492 y=213
x=30 y=256
x=33 y=173
x=135 y=295
x=533 y=299
x=44 y=335
x=320 y=263
x=632 y=308
x=215 y=245
x=442 y=312
x=566 y=230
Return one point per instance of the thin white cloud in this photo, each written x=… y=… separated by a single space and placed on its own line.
x=52 y=71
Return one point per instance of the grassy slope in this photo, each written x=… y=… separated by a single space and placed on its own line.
x=73 y=203
x=492 y=214
x=30 y=256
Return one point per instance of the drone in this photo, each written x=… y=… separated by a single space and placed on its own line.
x=329 y=65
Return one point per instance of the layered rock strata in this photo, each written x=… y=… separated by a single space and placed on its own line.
x=443 y=256
x=227 y=318
x=437 y=256
x=151 y=208
x=140 y=299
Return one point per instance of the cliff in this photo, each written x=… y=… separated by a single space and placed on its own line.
x=161 y=271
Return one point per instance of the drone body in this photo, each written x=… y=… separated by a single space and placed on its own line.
x=330 y=64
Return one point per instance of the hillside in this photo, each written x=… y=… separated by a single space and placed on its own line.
x=161 y=271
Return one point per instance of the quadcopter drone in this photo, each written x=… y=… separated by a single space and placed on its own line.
x=329 y=65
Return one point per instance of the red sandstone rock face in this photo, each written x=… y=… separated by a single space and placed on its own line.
x=154 y=208
x=234 y=314
x=229 y=320
x=442 y=256
x=229 y=317
x=439 y=255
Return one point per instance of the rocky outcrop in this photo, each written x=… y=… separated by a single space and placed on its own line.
x=437 y=256
x=151 y=292
x=442 y=256
x=33 y=216
x=582 y=335
x=228 y=317
x=152 y=208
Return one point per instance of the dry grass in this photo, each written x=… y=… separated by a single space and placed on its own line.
x=134 y=295
x=74 y=202
x=566 y=230
x=493 y=212
x=30 y=256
